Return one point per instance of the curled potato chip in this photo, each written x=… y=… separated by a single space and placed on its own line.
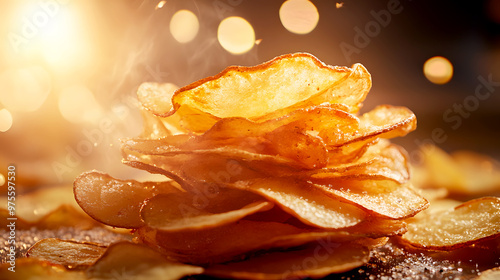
x=285 y=83
x=70 y=254
x=389 y=162
x=126 y=260
x=466 y=224
x=156 y=97
x=188 y=211
x=116 y=202
x=315 y=260
x=239 y=240
x=306 y=202
x=379 y=197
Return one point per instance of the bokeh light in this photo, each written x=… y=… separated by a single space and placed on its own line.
x=5 y=120
x=438 y=70
x=78 y=105
x=184 y=26
x=299 y=16
x=24 y=89
x=236 y=35
x=53 y=31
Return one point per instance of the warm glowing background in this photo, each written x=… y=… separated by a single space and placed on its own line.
x=69 y=69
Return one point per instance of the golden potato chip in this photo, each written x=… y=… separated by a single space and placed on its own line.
x=238 y=240
x=116 y=202
x=126 y=260
x=156 y=97
x=315 y=260
x=379 y=197
x=387 y=122
x=32 y=269
x=329 y=121
x=188 y=211
x=389 y=163
x=285 y=83
x=306 y=202
x=466 y=224
x=70 y=254
x=218 y=244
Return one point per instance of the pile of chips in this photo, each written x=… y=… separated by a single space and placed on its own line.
x=272 y=174
x=271 y=162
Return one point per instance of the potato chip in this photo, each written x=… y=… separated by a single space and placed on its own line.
x=390 y=162
x=306 y=202
x=126 y=260
x=285 y=83
x=315 y=260
x=239 y=240
x=70 y=254
x=217 y=244
x=466 y=224
x=116 y=202
x=187 y=211
x=379 y=197
x=156 y=97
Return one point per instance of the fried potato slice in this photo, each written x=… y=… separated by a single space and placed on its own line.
x=307 y=203
x=466 y=224
x=239 y=240
x=314 y=260
x=68 y=253
x=188 y=211
x=116 y=202
x=156 y=97
x=389 y=162
x=126 y=260
x=31 y=268
x=285 y=83
x=383 y=198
